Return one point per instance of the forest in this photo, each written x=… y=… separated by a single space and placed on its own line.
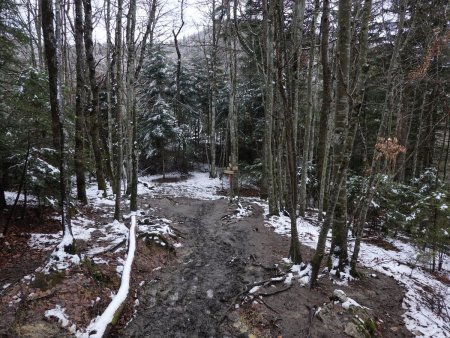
x=327 y=119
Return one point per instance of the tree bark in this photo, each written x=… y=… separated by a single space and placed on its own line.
x=232 y=106
x=50 y=53
x=79 y=105
x=267 y=189
x=213 y=91
x=359 y=88
x=131 y=69
x=325 y=111
x=287 y=107
x=2 y=185
x=309 y=111
x=94 y=107
x=52 y=45
x=297 y=42
x=118 y=107
x=339 y=230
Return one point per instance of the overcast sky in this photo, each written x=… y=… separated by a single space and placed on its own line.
x=170 y=11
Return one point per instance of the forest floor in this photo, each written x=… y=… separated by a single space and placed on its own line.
x=203 y=268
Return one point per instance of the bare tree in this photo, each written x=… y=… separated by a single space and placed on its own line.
x=53 y=57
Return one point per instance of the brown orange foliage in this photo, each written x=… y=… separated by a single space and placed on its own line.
x=434 y=49
x=389 y=149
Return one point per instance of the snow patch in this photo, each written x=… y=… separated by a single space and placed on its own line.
x=59 y=313
x=198 y=186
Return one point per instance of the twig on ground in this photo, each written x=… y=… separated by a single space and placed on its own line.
x=260 y=300
x=247 y=289
x=275 y=292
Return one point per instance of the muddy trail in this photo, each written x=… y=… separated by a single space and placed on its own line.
x=190 y=297
x=204 y=290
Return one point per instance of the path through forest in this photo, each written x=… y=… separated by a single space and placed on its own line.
x=205 y=291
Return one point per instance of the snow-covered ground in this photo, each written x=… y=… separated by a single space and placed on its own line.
x=198 y=186
x=421 y=315
x=422 y=306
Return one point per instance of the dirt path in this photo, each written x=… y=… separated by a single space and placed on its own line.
x=189 y=297
x=200 y=294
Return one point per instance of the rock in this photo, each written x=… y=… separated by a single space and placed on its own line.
x=394 y=329
x=339 y=294
x=417 y=333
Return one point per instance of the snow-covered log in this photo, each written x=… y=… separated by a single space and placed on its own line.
x=99 y=325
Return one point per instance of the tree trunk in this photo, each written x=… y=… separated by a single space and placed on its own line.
x=339 y=230
x=309 y=111
x=316 y=261
x=53 y=57
x=177 y=105
x=131 y=65
x=232 y=106
x=361 y=77
x=19 y=190
x=94 y=107
x=3 y=175
x=342 y=144
x=106 y=135
x=285 y=92
x=79 y=105
x=267 y=189
x=324 y=123
x=50 y=53
x=418 y=138
x=118 y=107
x=297 y=42
x=213 y=93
